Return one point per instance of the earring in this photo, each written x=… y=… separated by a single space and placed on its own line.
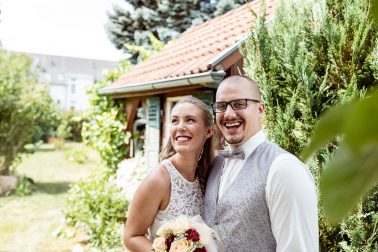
x=200 y=155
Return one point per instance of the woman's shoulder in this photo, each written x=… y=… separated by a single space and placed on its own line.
x=158 y=177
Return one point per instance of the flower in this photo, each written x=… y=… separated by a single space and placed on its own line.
x=169 y=240
x=205 y=233
x=165 y=229
x=181 y=246
x=184 y=235
x=159 y=244
x=180 y=225
x=192 y=234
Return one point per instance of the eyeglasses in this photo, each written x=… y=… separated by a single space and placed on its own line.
x=238 y=104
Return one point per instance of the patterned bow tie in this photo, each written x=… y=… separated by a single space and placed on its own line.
x=235 y=153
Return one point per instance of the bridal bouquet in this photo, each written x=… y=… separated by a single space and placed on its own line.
x=185 y=235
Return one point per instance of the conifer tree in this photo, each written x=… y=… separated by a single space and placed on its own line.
x=313 y=55
x=165 y=19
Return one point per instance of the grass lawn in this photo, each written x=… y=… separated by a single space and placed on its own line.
x=29 y=223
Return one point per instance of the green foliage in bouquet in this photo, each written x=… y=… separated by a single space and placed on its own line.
x=314 y=55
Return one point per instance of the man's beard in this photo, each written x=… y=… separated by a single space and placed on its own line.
x=234 y=140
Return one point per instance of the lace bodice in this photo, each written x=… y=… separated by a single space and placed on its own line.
x=186 y=199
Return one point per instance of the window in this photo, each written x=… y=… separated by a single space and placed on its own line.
x=73 y=88
x=169 y=103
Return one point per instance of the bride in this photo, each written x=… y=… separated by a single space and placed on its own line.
x=176 y=185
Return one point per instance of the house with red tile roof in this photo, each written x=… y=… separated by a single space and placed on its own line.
x=194 y=64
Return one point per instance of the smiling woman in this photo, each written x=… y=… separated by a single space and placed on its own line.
x=176 y=185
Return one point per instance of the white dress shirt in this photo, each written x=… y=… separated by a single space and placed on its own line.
x=290 y=194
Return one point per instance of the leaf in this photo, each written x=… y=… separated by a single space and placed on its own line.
x=374 y=11
x=330 y=125
x=361 y=124
x=348 y=177
x=353 y=169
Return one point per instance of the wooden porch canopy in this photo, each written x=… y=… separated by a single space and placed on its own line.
x=200 y=57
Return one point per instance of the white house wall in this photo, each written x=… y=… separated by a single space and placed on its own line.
x=61 y=73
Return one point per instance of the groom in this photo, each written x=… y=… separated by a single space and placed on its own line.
x=258 y=196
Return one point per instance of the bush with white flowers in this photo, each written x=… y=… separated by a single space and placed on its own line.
x=130 y=173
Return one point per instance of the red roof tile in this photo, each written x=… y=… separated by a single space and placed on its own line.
x=193 y=51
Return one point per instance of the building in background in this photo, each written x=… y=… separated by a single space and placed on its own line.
x=69 y=78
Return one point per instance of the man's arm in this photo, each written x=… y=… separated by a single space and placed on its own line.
x=292 y=201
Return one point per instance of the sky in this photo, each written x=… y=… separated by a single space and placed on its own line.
x=72 y=28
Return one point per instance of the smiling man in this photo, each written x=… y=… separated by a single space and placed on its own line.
x=258 y=196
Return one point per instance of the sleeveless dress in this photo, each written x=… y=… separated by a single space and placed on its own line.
x=186 y=199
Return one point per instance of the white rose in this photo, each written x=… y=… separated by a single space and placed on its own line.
x=159 y=245
x=181 y=246
x=166 y=228
x=180 y=225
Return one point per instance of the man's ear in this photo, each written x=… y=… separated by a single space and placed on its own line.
x=261 y=108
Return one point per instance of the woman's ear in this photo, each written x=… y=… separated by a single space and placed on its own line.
x=210 y=132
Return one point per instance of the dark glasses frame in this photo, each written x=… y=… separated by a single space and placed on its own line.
x=220 y=107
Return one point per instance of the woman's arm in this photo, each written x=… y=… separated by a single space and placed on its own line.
x=153 y=194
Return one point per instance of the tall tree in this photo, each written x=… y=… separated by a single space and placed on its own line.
x=165 y=19
x=315 y=54
x=24 y=105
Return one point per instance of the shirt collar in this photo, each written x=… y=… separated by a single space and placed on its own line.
x=251 y=144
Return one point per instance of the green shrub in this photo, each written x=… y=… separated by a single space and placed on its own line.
x=97 y=205
x=105 y=129
x=24 y=107
x=74 y=121
x=46 y=128
x=360 y=230
x=76 y=124
x=24 y=187
x=70 y=126
x=315 y=54
x=106 y=134
x=64 y=130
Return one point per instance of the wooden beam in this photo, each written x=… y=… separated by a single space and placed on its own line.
x=131 y=110
x=231 y=60
x=237 y=68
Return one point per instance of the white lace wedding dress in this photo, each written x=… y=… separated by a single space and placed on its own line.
x=186 y=199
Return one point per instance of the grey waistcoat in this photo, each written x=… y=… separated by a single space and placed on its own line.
x=241 y=216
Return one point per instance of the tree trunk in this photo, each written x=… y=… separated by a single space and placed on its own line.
x=7 y=161
x=4 y=168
